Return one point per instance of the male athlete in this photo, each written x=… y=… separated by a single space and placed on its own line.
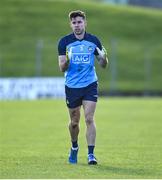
x=77 y=53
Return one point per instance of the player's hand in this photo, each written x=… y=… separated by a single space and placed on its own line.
x=68 y=54
x=103 y=52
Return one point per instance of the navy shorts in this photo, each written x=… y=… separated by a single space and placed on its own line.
x=75 y=96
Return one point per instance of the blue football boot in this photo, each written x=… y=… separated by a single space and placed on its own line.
x=91 y=159
x=73 y=156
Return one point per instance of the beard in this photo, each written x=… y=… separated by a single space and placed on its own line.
x=79 y=32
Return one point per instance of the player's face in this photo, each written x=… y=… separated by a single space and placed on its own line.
x=78 y=25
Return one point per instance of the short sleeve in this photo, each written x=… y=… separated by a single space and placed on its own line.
x=62 y=47
x=98 y=44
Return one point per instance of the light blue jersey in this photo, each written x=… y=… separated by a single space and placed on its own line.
x=81 y=71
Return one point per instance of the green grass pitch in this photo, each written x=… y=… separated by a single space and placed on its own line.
x=34 y=140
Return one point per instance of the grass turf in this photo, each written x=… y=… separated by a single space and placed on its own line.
x=34 y=140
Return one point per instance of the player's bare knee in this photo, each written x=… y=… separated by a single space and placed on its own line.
x=89 y=120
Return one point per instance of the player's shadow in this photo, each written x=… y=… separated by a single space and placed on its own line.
x=123 y=171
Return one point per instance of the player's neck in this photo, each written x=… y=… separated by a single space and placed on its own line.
x=80 y=36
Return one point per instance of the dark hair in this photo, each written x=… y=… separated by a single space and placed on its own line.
x=74 y=14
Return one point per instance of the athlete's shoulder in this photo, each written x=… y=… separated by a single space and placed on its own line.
x=63 y=43
x=66 y=39
x=94 y=39
x=91 y=36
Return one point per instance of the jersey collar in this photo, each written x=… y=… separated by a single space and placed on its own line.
x=85 y=35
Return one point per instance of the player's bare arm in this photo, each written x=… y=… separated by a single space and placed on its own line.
x=63 y=63
x=102 y=57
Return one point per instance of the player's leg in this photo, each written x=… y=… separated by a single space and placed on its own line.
x=74 y=102
x=89 y=110
x=74 y=131
x=74 y=123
